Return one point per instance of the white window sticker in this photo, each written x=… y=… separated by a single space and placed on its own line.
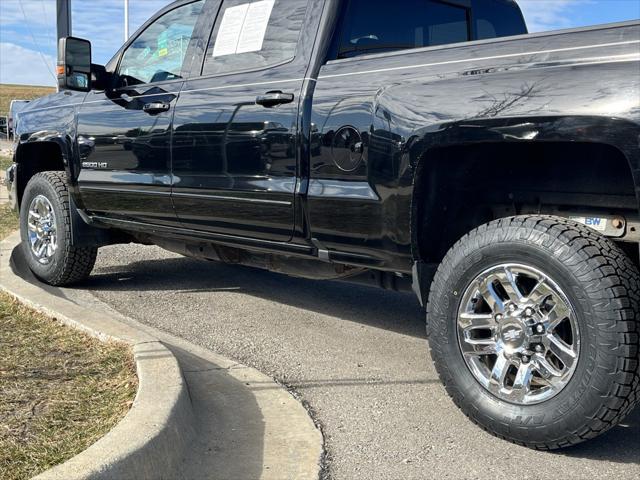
x=230 y=29
x=243 y=28
x=255 y=26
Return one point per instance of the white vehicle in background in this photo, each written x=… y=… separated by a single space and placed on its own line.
x=15 y=107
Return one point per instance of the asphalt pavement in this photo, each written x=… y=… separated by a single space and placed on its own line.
x=356 y=356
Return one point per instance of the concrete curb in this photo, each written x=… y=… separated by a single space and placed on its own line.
x=196 y=415
x=153 y=437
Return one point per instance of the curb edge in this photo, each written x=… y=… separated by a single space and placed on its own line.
x=152 y=437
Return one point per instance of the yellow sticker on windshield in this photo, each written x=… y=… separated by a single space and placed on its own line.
x=162 y=52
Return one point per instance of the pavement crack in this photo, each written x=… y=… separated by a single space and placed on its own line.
x=199 y=370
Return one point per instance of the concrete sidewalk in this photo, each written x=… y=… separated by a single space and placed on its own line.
x=247 y=426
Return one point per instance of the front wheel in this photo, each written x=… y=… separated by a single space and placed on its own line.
x=533 y=328
x=45 y=227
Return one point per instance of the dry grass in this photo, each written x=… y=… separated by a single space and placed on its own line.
x=5 y=162
x=8 y=222
x=60 y=390
x=10 y=92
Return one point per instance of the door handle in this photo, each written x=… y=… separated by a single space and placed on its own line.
x=271 y=99
x=154 y=108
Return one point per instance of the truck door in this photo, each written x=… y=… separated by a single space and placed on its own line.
x=235 y=124
x=124 y=132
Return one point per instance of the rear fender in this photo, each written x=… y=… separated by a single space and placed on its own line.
x=618 y=133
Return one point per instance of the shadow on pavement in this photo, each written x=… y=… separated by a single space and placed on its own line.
x=394 y=311
x=229 y=440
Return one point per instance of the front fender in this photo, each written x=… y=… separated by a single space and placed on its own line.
x=48 y=122
x=52 y=119
x=47 y=127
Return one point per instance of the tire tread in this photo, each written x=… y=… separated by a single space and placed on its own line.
x=78 y=261
x=613 y=286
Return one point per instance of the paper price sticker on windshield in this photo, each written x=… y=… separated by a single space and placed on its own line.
x=243 y=28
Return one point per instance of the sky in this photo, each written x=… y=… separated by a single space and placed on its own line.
x=28 y=29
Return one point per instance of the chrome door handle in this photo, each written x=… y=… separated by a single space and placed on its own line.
x=154 y=108
x=271 y=99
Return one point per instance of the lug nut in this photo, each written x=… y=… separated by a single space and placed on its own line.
x=529 y=311
x=525 y=359
x=498 y=317
x=512 y=308
x=539 y=348
x=539 y=328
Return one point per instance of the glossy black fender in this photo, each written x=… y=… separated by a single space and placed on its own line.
x=49 y=122
x=616 y=132
x=46 y=140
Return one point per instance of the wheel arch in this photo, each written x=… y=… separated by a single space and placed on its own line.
x=40 y=155
x=54 y=153
x=434 y=158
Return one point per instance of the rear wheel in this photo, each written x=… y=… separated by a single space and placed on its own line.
x=45 y=226
x=533 y=328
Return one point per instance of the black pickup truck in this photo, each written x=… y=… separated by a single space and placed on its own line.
x=423 y=144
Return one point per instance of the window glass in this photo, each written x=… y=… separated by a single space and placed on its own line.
x=158 y=52
x=251 y=34
x=497 y=18
x=377 y=26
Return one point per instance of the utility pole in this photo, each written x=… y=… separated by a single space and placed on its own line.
x=126 y=20
x=63 y=22
x=63 y=18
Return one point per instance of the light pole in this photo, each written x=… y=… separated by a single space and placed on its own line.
x=63 y=18
x=126 y=20
x=63 y=24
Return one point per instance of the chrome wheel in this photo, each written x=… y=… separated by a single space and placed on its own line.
x=518 y=334
x=42 y=232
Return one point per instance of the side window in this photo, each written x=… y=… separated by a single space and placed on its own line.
x=252 y=34
x=497 y=18
x=378 y=26
x=158 y=52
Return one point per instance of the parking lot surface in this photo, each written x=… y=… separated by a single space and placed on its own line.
x=356 y=356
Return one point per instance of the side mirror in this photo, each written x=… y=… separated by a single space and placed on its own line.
x=74 y=64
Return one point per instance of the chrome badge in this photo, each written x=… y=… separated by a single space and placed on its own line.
x=95 y=165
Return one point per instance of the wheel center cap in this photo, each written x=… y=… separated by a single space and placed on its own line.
x=513 y=334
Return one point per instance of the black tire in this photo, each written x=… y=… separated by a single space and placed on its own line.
x=603 y=286
x=68 y=264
